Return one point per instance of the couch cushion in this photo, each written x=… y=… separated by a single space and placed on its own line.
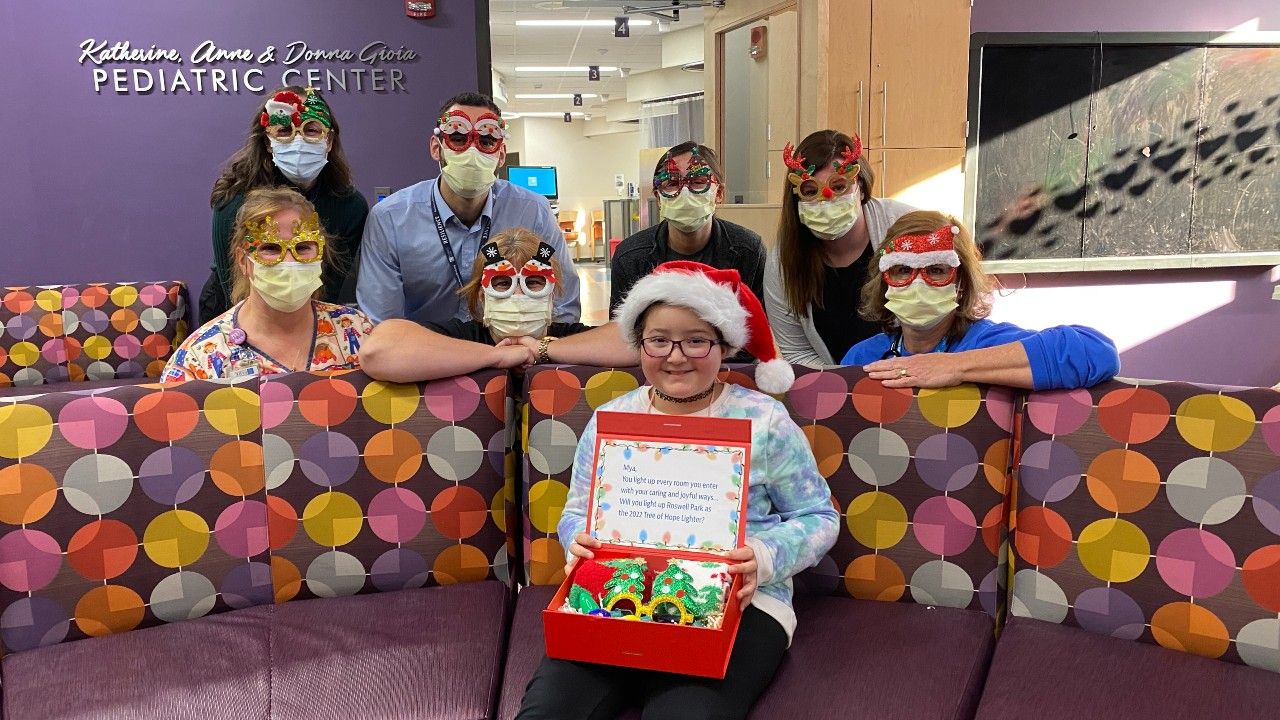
x=33 y=348
x=214 y=667
x=849 y=658
x=1052 y=672
x=123 y=329
x=376 y=487
x=1151 y=511
x=920 y=478
x=129 y=507
x=426 y=653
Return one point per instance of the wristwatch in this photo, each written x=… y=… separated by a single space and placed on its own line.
x=543 y=355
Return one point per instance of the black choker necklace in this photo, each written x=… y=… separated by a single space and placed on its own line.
x=692 y=398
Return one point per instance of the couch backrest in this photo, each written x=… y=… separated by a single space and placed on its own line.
x=132 y=506
x=1151 y=512
x=919 y=478
x=93 y=331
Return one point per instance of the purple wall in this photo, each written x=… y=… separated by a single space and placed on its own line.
x=108 y=187
x=1208 y=325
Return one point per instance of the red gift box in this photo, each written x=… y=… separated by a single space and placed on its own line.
x=682 y=474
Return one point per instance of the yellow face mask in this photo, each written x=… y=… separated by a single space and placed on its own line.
x=921 y=305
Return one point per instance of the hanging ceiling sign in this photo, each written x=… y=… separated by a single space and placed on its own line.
x=122 y=68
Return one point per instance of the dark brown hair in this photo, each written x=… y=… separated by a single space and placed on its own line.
x=251 y=166
x=973 y=287
x=707 y=154
x=469 y=99
x=800 y=252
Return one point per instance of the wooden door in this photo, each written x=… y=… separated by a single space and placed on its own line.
x=919 y=71
x=927 y=178
x=845 y=38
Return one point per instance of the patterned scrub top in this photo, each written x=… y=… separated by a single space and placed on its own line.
x=220 y=349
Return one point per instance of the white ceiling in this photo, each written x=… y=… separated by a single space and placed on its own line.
x=573 y=46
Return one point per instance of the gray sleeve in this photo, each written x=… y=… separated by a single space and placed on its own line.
x=787 y=328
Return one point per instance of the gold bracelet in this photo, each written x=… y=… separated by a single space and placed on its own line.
x=543 y=356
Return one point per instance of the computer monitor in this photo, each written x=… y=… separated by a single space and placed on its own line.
x=541 y=179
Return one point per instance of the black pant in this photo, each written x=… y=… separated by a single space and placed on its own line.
x=565 y=690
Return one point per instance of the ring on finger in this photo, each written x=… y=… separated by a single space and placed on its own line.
x=902 y=372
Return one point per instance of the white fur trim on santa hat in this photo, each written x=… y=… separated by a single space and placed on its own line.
x=775 y=376
x=919 y=260
x=715 y=303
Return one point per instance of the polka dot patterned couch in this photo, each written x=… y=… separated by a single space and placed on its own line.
x=311 y=546
x=899 y=620
x=96 y=331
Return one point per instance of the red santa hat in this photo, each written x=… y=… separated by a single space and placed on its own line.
x=721 y=299
x=921 y=251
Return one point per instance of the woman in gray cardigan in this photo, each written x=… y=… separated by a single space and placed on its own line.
x=826 y=239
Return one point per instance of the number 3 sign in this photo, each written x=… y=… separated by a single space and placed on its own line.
x=420 y=8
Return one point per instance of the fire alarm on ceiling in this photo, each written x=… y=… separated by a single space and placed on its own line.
x=420 y=8
x=759 y=44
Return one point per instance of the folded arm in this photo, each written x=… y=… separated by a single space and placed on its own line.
x=404 y=351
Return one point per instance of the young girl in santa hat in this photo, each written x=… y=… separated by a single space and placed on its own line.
x=685 y=318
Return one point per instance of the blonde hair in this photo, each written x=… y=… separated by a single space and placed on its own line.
x=973 y=288
x=257 y=205
x=517 y=246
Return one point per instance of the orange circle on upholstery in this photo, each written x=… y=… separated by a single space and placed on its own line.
x=94 y=296
x=495 y=396
x=554 y=392
x=166 y=416
x=109 y=609
x=995 y=462
x=286 y=581
x=1122 y=480
x=75 y=372
x=875 y=577
x=393 y=455
x=993 y=528
x=103 y=549
x=19 y=302
x=1190 y=628
x=124 y=320
x=74 y=349
x=1043 y=538
x=826 y=446
x=51 y=324
x=1261 y=576
x=282 y=521
x=29 y=492
x=156 y=345
x=546 y=561
x=1133 y=415
x=155 y=368
x=459 y=564
x=880 y=404
x=733 y=377
x=236 y=468
x=327 y=402
x=459 y=512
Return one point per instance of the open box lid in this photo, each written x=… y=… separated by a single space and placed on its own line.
x=670 y=482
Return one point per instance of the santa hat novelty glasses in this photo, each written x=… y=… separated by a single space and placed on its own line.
x=499 y=278
x=458 y=132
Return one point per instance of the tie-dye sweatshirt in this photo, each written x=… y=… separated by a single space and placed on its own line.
x=791 y=523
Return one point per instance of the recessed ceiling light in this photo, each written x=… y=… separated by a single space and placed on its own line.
x=578 y=23
x=542 y=114
x=562 y=68
x=552 y=96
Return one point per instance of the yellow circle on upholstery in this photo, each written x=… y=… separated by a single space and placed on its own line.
x=97 y=347
x=24 y=430
x=333 y=519
x=1113 y=550
x=524 y=427
x=498 y=509
x=24 y=354
x=49 y=300
x=950 y=407
x=1214 y=423
x=876 y=519
x=176 y=538
x=605 y=386
x=390 y=403
x=124 y=295
x=1190 y=628
x=233 y=410
x=546 y=504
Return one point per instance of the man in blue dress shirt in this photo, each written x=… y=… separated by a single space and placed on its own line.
x=420 y=243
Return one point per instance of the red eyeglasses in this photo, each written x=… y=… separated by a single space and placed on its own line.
x=936 y=275
x=458 y=132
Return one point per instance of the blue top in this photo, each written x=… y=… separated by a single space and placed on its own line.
x=404 y=272
x=1066 y=356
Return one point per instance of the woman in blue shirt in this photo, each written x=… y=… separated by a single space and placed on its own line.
x=929 y=294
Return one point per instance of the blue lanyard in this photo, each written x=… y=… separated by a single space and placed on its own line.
x=448 y=247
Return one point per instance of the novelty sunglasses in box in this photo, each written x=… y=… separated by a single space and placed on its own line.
x=668 y=501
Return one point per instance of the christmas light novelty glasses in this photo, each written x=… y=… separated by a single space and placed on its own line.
x=699 y=177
